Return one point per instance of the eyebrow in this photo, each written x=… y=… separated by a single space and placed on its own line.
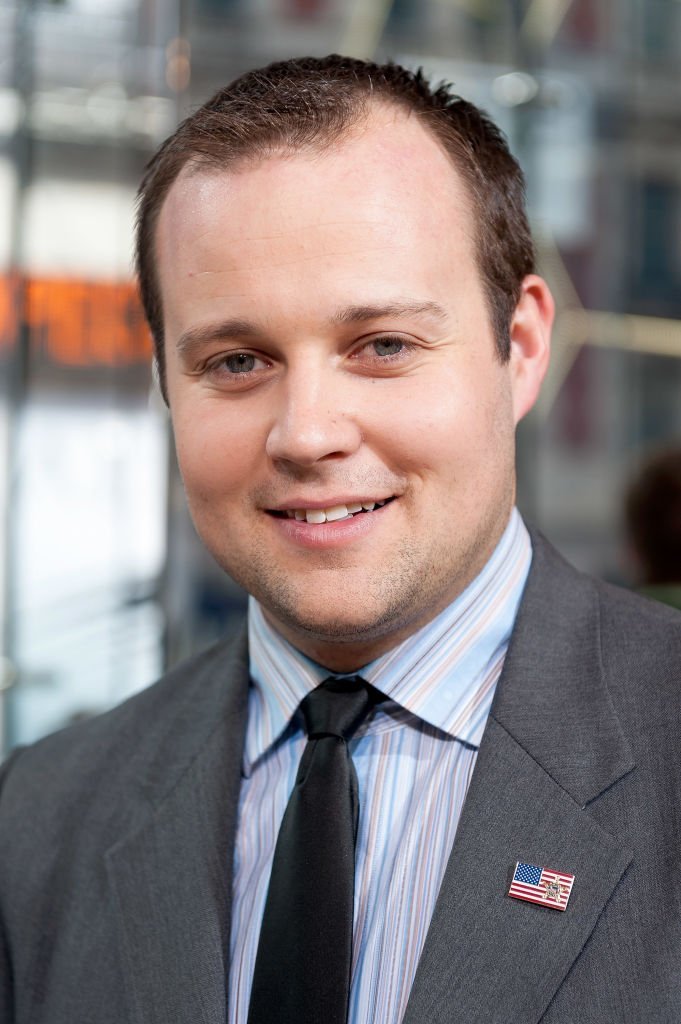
x=196 y=337
x=238 y=329
x=360 y=314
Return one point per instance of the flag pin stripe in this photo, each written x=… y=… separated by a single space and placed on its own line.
x=536 y=884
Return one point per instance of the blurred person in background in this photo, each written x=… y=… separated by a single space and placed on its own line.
x=653 y=526
x=436 y=778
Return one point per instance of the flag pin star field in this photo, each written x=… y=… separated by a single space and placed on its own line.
x=544 y=886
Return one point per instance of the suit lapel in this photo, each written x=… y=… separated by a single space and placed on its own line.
x=172 y=878
x=552 y=745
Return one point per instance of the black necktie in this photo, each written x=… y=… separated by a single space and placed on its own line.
x=302 y=969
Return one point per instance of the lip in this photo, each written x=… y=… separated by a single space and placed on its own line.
x=325 y=536
x=294 y=503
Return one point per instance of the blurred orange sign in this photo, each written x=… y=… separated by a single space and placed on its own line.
x=75 y=322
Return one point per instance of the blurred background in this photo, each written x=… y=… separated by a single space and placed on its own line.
x=102 y=581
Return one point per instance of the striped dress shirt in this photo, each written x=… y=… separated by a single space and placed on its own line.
x=414 y=759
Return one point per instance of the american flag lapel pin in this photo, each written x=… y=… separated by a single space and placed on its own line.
x=541 y=885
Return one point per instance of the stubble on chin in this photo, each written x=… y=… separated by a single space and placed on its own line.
x=357 y=608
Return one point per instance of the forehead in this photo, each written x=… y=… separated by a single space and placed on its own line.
x=388 y=158
x=382 y=202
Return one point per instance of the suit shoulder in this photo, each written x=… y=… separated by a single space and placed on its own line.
x=637 y=621
x=626 y=618
x=641 y=659
x=108 y=749
x=638 y=640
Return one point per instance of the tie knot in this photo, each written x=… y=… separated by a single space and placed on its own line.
x=337 y=706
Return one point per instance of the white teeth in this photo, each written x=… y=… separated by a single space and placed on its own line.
x=332 y=514
x=315 y=515
x=336 y=512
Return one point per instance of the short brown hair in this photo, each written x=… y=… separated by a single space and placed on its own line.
x=308 y=104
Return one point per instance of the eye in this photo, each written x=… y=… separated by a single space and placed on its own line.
x=235 y=364
x=383 y=351
x=237 y=370
x=240 y=362
x=388 y=346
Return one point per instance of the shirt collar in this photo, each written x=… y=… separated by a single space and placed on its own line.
x=281 y=676
x=444 y=673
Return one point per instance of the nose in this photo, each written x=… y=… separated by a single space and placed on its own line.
x=312 y=421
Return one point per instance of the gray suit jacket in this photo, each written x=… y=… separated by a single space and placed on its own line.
x=116 y=838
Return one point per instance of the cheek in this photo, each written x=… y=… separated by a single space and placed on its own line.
x=450 y=419
x=213 y=454
x=461 y=436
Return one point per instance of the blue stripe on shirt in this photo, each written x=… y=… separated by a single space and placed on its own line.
x=414 y=759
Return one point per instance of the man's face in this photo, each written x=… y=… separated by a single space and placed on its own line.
x=328 y=347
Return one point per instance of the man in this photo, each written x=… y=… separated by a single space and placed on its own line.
x=337 y=270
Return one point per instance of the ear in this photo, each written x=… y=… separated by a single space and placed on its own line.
x=530 y=343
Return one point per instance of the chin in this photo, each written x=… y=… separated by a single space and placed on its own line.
x=323 y=620
x=330 y=628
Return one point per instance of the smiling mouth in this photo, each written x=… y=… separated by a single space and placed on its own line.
x=334 y=514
